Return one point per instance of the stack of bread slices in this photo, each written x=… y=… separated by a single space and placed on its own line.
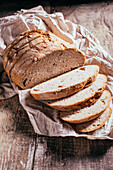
x=79 y=96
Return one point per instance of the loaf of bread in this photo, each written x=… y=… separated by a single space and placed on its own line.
x=96 y=123
x=87 y=113
x=66 y=84
x=36 y=56
x=78 y=100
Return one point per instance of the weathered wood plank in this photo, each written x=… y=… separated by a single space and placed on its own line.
x=73 y=153
x=17 y=137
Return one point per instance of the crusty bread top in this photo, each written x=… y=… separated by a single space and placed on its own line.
x=65 y=84
x=21 y=57
x=73 y=101
x=96 y=123
x=88 y=113
x=34 y=38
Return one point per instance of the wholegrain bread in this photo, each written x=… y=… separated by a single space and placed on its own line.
x=96 y=123
x=66 y=84
x=78 y=100
x=87 y=113
x=36 y=56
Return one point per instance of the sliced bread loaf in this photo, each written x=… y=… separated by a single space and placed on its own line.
x=96 y=123
x=78 y=100
x=87 y=113
x=66 y=84
x=36 y=56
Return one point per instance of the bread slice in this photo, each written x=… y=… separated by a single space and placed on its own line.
x=78 y=100
x=66 y=84
x=96 y=123
x=36 y=56
x=88 y=113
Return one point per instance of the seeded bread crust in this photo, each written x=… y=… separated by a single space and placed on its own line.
x=88 y=113
x=78 y=100
x=36 y=56
x=96 y=123
x=66 y=84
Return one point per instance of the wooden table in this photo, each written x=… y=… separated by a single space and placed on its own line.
x=20 y=147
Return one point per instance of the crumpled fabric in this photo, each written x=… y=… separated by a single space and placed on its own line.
x=44 y=119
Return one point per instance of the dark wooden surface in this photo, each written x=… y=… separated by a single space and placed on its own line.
x=20 y=147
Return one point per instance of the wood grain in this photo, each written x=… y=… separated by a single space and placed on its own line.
x=73 y=154
x=17 y=137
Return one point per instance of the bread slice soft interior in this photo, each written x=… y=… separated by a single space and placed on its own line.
x=87 y=113
x=66 y=84
x=78 y=100
x=96 y=123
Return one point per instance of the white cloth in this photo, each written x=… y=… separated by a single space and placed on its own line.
x=44 y=119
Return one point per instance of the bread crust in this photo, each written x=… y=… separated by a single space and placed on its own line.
x=83 y=98
x=44 y=43
x=88 y=113
x=95 y=123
